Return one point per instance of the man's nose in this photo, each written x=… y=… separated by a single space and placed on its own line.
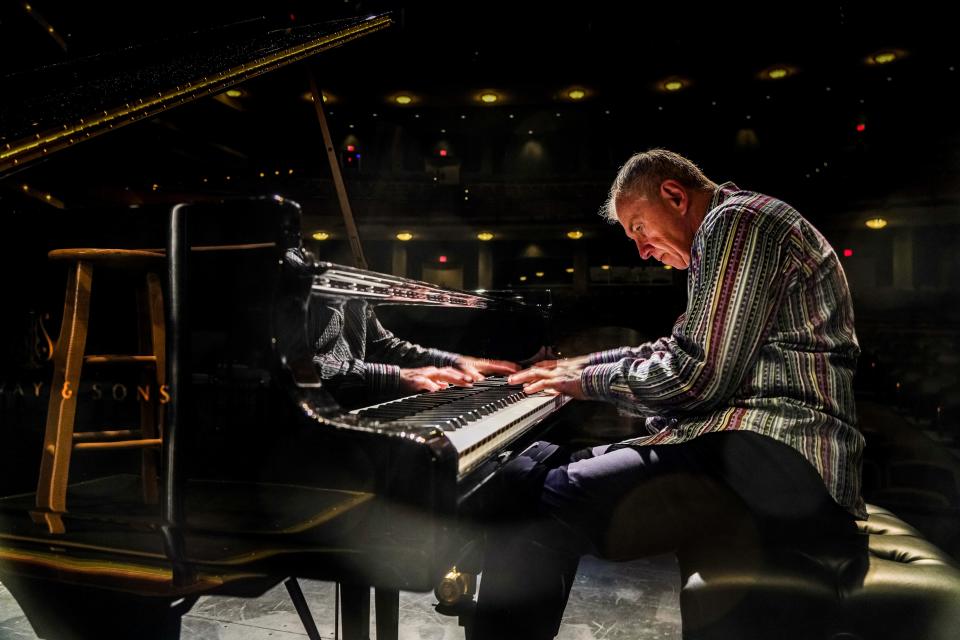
x=643 y=249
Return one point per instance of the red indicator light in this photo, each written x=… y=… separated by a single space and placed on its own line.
x=443 y=258
x=349 y=159
x=861 y=128
x=443 y=153
x=848 y=253
x=351 y=148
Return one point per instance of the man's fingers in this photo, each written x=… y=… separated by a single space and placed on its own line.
x=536 y=387
x=426 y=384
x=451 y=375
x=546 y=364
x=471 y=371
x=527 y=375
x=500 y=367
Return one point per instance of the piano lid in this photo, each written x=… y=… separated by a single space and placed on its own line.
x=55 y=107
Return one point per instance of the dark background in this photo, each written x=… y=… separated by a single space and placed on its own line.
x=841 y=138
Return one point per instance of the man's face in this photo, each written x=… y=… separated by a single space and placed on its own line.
x=659 y=227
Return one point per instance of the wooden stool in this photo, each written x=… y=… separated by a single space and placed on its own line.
x=69 y=356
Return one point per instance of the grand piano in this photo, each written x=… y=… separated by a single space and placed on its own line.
x=254 y=473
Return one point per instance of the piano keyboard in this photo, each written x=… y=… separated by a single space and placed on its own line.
x=479 y=421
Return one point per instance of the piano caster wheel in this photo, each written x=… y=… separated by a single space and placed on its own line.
x=455 y=588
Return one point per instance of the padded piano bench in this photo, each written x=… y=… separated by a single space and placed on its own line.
x=887 y=582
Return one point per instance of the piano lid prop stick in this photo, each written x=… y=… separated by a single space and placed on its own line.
x=358 y=259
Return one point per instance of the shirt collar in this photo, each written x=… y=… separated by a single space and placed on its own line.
x=721 y=193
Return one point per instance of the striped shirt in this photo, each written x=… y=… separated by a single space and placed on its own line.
x=358 y=359
x=766 y=344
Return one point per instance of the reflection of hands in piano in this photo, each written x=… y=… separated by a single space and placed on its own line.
x=431 y=379
x=553 y=376
x=476 y=368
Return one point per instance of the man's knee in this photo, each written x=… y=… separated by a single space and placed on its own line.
x=521 y=480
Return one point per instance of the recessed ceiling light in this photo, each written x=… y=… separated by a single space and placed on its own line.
x=489 y=98
x=403 y=99
x=876 y=223
x=320 y=235
x=404 y=236
x=885 y=57
x=576 y=94
x=485 y=236
x=576 y=234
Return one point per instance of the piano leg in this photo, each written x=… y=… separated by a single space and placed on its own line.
x=303 y=609
x=355 y=606
x=388 y=614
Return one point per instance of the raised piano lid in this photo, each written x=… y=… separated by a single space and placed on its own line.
x=343 y=282
x=112 y=90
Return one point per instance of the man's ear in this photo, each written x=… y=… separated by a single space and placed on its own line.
x=675 y=194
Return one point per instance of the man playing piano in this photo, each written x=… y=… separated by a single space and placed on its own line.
x=360 y=361
x=748 y=402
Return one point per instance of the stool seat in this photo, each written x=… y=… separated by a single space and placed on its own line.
x=884 y=583
x=113 y=257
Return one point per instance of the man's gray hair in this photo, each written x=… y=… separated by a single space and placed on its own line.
x=643 y=174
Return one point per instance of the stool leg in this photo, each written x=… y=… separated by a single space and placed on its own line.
x=61 y=410
x=152 y=338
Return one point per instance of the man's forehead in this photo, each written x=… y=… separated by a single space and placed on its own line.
x=631 y=206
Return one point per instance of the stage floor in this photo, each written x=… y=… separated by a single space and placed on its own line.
x=627 y=601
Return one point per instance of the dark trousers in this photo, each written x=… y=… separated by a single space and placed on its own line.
x=630 y=502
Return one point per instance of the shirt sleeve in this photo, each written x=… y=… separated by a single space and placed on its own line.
x=740 y=270
x=353 y=380
x=384 y=347
x=340 y=359
x=645 y=350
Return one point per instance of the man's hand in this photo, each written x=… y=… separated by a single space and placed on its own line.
x=553 y=376
x=477 y=367
x=431 y=379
